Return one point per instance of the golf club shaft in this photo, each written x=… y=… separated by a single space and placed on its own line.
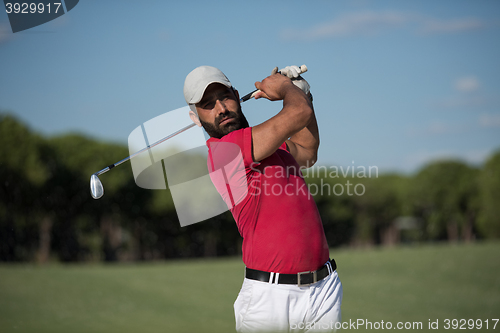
x=109 y=167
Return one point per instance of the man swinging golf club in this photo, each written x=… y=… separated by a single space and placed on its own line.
x=290 y=283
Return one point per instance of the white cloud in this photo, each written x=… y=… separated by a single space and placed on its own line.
x=489 y=120
x=437 y=128
x=474 y=102
x=434 y=26
x=466 y=84
x=360 y=23
x=370 y=23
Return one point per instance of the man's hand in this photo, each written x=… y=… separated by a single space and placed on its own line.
x=274 y=87
x=293 y=72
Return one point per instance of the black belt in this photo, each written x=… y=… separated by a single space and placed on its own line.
x=301 y=279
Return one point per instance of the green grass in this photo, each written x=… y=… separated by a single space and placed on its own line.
x=418 y=284
x=397 y=285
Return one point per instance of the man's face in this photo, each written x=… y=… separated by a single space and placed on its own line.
x=219 y=111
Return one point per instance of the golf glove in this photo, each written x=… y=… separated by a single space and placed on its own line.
x=293 y=72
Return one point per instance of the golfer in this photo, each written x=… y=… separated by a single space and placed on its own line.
x=290 y=283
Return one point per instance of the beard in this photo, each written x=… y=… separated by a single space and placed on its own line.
x=216 y=130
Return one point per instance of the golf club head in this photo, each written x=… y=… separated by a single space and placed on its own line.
x=96 y=189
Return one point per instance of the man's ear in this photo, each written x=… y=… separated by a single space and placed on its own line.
x=237 y=94
x=194 y=118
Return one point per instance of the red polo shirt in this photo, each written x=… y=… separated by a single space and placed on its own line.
x=271 y=204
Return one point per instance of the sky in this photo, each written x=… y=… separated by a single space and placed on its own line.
x=396 y=84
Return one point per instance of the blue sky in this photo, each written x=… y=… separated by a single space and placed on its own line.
x=396 y=84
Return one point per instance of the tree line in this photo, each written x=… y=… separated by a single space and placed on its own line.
x=47 y=213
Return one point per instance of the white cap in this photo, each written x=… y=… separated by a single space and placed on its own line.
x=199 y=79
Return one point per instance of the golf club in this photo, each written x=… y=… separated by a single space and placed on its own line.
x=96 y=188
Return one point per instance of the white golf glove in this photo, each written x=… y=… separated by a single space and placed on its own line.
x=293 y=72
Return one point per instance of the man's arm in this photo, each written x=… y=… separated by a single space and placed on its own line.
x=304 y=144
x=296 y=122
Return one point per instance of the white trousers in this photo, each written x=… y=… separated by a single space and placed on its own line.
x=267 y=307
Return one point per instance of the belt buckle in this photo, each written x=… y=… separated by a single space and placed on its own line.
x=315 y=278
